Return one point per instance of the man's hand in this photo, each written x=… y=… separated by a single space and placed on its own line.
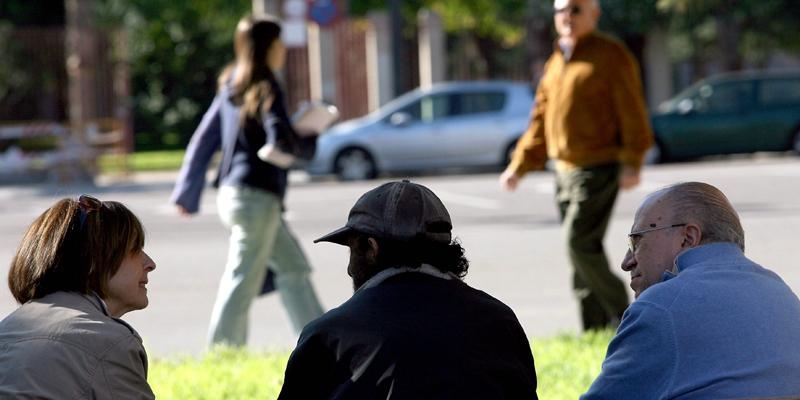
x=509 y=180
x=628 y=177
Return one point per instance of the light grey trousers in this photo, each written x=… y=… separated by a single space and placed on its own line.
x=258 y=237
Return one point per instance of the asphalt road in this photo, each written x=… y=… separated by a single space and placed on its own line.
x=513 y=241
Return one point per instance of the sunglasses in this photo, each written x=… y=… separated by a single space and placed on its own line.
x=88 y=204
x=572 y=10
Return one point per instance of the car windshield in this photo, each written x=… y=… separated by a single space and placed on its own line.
x=439 y=102
x=686 y=94
x=397 y=102
x=455 y=103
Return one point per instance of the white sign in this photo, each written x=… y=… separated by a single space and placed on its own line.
x=294 y=33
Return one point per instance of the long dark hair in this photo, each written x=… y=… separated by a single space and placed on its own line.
x=249 y=76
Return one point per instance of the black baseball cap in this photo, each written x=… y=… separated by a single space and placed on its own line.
x=401 y=211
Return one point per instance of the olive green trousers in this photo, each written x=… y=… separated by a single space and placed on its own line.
x=585 y=198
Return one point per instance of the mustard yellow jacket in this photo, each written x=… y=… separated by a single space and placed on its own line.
x=589 y=110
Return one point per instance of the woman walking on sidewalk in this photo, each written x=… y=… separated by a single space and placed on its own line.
x=247 y=113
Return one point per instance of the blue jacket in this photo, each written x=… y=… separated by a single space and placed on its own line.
x=723 y=327
x=239 y=163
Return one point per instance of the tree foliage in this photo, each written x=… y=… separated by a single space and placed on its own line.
x=176 y=50
x=738 y=32
x=177 y=47
x=498 y=19
x=729 y=34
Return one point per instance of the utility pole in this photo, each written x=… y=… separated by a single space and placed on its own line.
x=432 y=58
x=81 y=63
x=399 y=54
x=538 y=44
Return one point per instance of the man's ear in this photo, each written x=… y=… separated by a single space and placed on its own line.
x=692 y=236
x=372 y=253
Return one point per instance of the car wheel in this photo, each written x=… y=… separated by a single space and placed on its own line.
x=655 y=155
x=354 y=164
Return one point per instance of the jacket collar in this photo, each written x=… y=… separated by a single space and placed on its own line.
x=98 y=302
x=722 y=253
x=581 y=41
x=390 y=272
x=101 y=306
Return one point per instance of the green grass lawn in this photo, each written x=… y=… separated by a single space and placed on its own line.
x=565 y=366
x=161 y=160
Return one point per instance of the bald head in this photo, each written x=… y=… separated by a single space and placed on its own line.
x=575 y=18
x=701 y=204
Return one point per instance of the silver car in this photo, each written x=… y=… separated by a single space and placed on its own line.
x=456 y=124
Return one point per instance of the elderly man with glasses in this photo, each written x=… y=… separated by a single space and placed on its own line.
x=590 y=117
x=707 y=323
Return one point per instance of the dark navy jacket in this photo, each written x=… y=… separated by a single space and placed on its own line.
x=239 y=163
x=413 y=336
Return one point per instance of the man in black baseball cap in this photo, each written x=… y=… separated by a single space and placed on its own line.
x=412 y=329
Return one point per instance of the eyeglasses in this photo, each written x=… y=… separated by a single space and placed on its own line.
x=634 y=237
x=572 y=10
x=87 y=205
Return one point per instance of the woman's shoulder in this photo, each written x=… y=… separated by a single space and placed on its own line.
x=72 y=339
x=71 y=318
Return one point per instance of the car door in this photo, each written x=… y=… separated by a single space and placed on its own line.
x=474 y=131
x=778 y=110
x=409 y=138
x=719 y=121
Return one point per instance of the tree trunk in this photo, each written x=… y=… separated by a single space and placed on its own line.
x=538 y=42
x=728 y=36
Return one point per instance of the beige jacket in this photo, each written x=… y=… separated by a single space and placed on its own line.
x=66 y=346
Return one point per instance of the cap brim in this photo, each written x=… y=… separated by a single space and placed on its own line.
x=338 y=236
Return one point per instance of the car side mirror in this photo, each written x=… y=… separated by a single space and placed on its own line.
x=686 y=106
x=400 y=118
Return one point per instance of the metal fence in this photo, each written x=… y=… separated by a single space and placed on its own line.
x=34 y=112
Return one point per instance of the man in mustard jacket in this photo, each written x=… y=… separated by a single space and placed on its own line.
x=590 y=117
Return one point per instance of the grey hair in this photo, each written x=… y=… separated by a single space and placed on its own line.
x=707 y=206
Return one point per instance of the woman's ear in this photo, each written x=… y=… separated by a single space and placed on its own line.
x=692 y=236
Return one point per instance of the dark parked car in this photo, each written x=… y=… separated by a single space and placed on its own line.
x=456 y=124
x=741 y=112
